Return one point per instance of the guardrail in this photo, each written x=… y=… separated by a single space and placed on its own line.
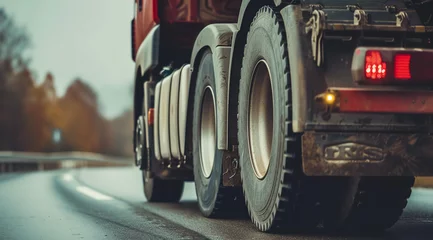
x=35 y=161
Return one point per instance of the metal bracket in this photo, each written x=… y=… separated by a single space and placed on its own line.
x=315 y=26
x=231 y=168
x=352 y=8
x=360 y=18
x=181 y=162
x=402 y=19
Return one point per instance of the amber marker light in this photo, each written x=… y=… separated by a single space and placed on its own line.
x=150 y=116
x=330 y=98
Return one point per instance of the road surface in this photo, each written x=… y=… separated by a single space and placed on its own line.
x=108 y=204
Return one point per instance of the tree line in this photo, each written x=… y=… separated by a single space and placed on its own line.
x=31 y=114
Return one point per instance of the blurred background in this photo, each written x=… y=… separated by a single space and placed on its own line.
x=66 y=84
x=66 y=76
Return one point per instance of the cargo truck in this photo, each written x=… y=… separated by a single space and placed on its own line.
x=302 y=112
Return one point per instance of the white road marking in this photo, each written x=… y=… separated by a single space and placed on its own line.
x=68 y=177
x=93 y=194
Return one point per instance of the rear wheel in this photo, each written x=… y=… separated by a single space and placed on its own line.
x=379 y=203
x=214 y=199
x=277 y=193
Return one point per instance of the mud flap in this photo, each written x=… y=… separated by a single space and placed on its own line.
x=367 y=154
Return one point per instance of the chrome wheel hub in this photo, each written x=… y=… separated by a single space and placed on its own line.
x=260 y=119
x=207 y=132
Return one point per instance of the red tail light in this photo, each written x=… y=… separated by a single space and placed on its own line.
x=392 y=66
x=402 y=66
x=375 y=68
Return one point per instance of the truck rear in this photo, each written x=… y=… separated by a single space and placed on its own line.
x=302 y=112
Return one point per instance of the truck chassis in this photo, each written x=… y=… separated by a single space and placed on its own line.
x=298 y=112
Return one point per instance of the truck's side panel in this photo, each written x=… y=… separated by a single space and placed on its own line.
x=199 y=11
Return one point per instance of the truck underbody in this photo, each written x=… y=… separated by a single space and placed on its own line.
x=303 y=112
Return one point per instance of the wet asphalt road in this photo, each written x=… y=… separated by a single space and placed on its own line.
x=109 y=204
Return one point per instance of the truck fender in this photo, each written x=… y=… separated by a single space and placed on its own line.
x=147 y=58
x=302 y=66
x=217 y=38
x=148 y=53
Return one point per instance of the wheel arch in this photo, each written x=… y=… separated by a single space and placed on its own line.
x=218 y=39
x=147 y=58
x=148 y=53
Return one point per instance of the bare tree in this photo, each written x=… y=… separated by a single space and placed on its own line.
x=15 y=80
x=13 y=41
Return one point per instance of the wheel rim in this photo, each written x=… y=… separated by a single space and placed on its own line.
x=138 y=142
x=260 y=119
x=207 y=132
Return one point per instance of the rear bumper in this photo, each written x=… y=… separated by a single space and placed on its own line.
x=384 y=101
x=367 y=154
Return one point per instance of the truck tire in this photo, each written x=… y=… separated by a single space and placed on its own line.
x=277 y=193
x=379 y=203
x=155 y=189
x=161 y=190
x=214 y=199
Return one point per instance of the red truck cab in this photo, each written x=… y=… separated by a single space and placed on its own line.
x=181 y=19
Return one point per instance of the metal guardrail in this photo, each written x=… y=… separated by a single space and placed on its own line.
x=35 y=161
x=59 y=156
x=31 y=161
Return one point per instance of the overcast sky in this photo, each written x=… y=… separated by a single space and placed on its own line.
x=89 y=39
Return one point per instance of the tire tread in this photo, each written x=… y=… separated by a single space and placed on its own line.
x=379 y=203
x=291 y=199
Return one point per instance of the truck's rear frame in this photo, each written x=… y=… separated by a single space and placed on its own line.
x=376 y=128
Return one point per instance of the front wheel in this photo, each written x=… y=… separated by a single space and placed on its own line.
x=161 y=190
x=155 y=189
